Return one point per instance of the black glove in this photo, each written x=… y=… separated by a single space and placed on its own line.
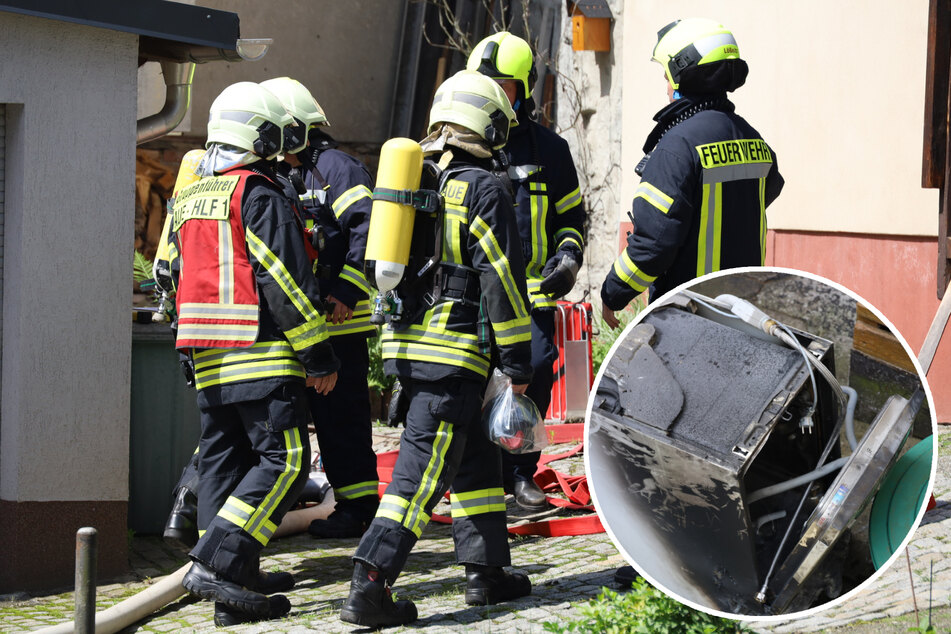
x=560 y=272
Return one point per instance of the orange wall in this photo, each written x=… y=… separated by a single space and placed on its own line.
x=896 y=275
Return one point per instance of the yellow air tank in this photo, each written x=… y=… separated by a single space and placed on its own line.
x=187 y=174
x=391 y=222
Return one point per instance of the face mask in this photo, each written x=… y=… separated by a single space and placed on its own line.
x=677 y=95
x=515 y=106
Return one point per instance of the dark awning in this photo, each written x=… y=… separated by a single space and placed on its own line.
x=168 y=30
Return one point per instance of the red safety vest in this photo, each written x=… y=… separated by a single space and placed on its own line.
x=217 y=297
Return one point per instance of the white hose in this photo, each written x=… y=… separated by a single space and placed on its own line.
x=169 y=588
x=155 y=597
x=792 y=483
x=849 y=416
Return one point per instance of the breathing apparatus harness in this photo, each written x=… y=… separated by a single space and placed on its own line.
x=427 y=279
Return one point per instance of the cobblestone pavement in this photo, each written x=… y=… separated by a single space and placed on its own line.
x=565 y=571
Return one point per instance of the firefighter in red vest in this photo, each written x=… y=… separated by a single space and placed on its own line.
x=248 y=312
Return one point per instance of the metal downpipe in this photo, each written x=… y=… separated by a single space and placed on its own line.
x=178 y=85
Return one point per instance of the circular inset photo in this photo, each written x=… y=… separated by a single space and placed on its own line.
x=759 y=443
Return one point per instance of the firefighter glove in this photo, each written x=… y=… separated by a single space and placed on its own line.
x=560 y=272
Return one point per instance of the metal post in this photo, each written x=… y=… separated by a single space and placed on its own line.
x=84 y=619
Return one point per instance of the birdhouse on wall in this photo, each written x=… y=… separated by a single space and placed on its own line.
x=590 y=25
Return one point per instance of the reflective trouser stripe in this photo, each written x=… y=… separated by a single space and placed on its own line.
x=236 y=511
x=711 y=218
x=392 y=507
x=416 y=518
x=259 y=525
x=478 y=502
x=358 y=490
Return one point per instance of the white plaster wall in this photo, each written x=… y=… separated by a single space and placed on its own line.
x=64 y=422
x=589 y=117
x=344 y=52
x=837 y=88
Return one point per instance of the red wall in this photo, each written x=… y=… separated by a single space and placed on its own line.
x=895 y=274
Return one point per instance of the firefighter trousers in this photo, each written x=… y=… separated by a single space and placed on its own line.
x=254 y=458
x=342 y=423
x=517 y=467
x=442 y=447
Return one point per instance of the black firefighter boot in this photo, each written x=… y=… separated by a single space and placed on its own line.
x=181 y=529
x=488 y=585
x=370 y=603
x=278 y=606
x=206 y=583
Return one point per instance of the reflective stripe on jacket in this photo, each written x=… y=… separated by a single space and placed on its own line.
x=338 y=197
x=454 y=338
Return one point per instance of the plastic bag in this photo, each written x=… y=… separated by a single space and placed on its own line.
x=511 y=420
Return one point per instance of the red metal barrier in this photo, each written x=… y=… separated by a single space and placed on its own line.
x=573 y=368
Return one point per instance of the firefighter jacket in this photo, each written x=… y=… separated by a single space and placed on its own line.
x=454 y=335
x=701 y=203
x=338 y=199
x=548 y=204
x=246 y=298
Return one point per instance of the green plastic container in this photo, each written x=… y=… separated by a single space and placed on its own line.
x=165 y=427
x=898 y=501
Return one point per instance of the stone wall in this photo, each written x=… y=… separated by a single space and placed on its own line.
x=589 y=92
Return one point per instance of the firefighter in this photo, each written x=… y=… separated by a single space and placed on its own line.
x=336 y=199
x=707 y=176
x=441 y=351
x=551 y=217
x=246 y=302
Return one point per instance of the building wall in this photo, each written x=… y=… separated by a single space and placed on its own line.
x=70 y=92
x=841 y=100
x=346 y=53
x=875 y=266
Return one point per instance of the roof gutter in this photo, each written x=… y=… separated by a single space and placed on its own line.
x=178 y=77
